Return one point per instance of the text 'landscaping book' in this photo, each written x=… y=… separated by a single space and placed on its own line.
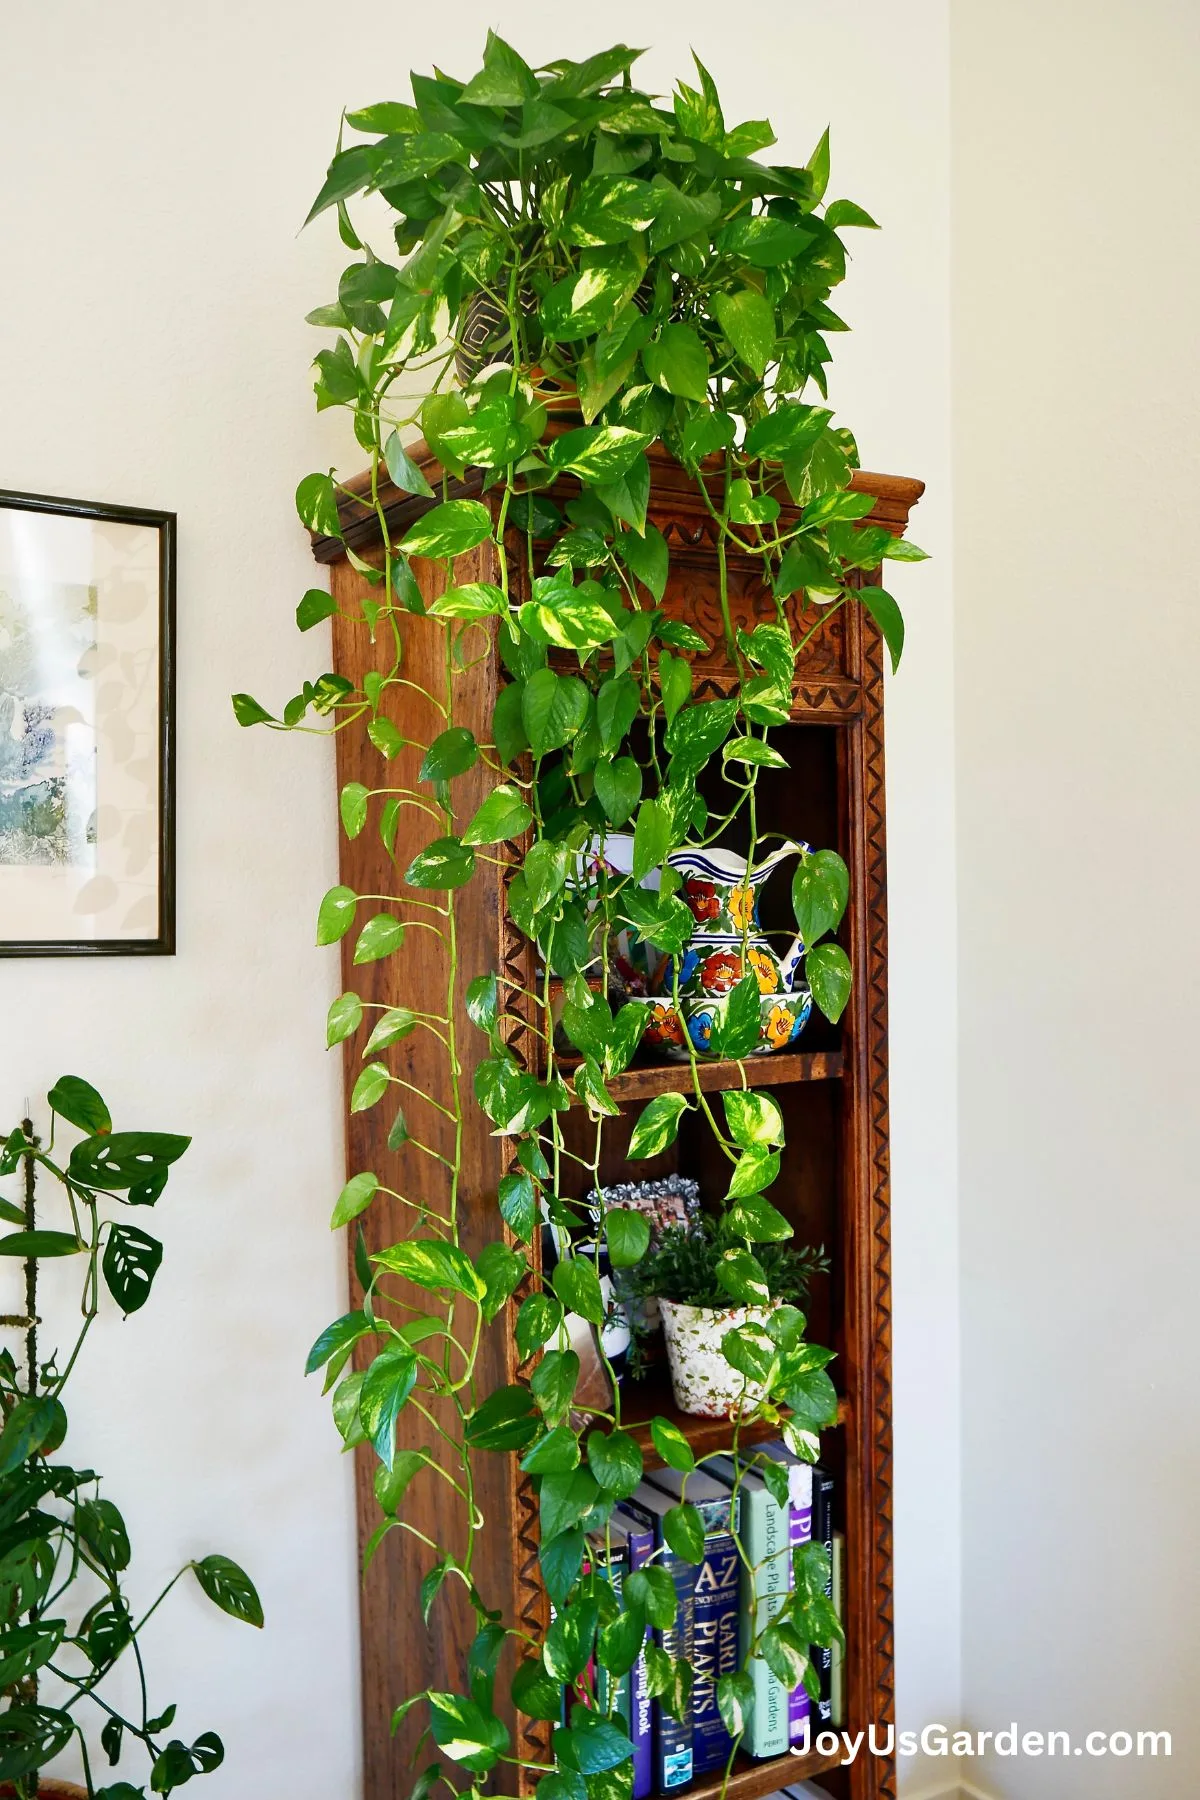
x=672 y=1737
x=639 y=1542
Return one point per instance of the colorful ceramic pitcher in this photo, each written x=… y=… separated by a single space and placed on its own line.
x=721 y=892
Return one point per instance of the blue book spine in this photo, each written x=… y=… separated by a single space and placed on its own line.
x=641 y=1710
x=715 y=1648
x=611 y=1557
x=718 y=1610
x=672 y=1737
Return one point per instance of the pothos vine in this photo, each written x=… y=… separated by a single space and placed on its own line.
x=583 y=271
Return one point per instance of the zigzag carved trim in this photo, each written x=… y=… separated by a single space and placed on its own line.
x=811 y=702
x=516 y=965
x=878 y=1175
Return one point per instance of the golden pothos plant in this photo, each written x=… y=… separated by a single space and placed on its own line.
x=577 y=270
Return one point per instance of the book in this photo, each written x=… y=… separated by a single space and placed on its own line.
x=800 y=1512
x=672 y=1738
x=715 y=1630
x=639 y=1548
x=837 y=1672
x=822 y=1530
x=609 y=1555
x=763 y=1592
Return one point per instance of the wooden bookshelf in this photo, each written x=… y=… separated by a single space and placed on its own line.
x=833 y=1093
x=643 y=1082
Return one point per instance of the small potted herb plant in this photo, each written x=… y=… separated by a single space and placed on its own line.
x=720 y=1352
x=66 y=1612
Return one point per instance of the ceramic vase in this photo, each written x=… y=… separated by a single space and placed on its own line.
x=782 y=1018
x=702 y=1381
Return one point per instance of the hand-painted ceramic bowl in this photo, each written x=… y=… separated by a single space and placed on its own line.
x=782 y=1017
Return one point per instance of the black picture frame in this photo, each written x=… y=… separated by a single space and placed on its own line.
x=165 y=524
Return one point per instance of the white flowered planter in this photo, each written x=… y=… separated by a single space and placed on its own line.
x=701 y=1379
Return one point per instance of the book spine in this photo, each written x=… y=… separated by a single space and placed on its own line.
x=800 y=1518
x=822 y=1527
x=573 y=1690
x=673 y=1737
x=606 y=1691
x=715 y=1648
x=641 y=1711
x=763 y=1530
x=764 y=1592
x=715 y=1515
x=837 y=1673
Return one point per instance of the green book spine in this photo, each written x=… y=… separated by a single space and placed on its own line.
x=764 y=1535
x=837 y=1669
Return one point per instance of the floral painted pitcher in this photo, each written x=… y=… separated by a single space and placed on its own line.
x=722 y=891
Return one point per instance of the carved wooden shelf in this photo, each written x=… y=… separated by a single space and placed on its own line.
x=642 y=1083
x=645 y=1400
x=750 y=1779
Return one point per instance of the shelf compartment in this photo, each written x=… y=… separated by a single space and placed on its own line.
x=750 y=1778
x=652 y=1399
x=644 y=1082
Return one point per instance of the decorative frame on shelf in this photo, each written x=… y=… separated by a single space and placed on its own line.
x=87 y=728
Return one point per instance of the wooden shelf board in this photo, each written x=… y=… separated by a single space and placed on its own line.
x=750 y=1778
x=643 y=1082
x=645 y=1400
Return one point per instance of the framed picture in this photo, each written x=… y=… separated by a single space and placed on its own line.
x=670 y=1201
x=87 y=828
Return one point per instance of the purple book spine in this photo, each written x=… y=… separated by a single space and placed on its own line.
x=641 y=1548
x=800 y=1516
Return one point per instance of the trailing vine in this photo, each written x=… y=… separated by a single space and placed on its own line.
x=580 y=271
x=66 y=1616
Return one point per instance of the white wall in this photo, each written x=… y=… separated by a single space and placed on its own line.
x=160 y=160
x=159 y=163
x=1076 y=138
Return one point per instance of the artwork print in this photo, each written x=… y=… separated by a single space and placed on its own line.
x=86 y=844
x=47 y=732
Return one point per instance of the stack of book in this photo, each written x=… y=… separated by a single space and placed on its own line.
x=722 y=1606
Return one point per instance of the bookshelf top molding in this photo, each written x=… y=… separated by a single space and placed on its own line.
x=673 y=492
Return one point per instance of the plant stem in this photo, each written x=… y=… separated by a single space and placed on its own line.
x=31 y=1270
